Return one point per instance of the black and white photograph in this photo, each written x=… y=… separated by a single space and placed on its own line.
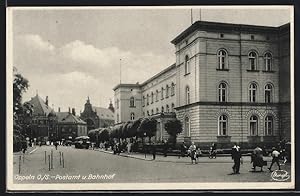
x=150 y=98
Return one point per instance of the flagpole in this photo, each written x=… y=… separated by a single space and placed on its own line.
x=191 y=16
x=200 y=14
x=120 y=71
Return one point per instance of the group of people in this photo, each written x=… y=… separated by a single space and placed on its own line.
x=257 y=159
x=195 y=152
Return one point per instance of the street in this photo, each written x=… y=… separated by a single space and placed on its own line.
x=94 y=166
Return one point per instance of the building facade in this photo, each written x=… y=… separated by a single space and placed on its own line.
x=97 y=117
x=230 y=83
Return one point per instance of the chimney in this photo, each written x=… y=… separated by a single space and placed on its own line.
x=69 y=110
x=73 y=111
x=58 y=109
x=47 y=100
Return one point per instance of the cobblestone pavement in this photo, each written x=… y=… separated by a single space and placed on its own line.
x=103 y=166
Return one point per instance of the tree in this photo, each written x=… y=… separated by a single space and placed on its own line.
x=133 y=128
x=20 y=85
x=104 y=135
x=173 y=128
x=148 y=128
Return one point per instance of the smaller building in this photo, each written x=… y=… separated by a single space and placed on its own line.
x=70 y=126
x=97 y=117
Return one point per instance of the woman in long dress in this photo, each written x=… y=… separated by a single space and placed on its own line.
x=193 y=153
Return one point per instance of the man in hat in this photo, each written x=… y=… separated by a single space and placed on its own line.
x=236 y=156
x=275 y=154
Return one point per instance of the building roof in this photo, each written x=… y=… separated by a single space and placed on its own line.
x=217 y=26
x=137 y=85
x=66 y=117
x=40 y=107
x=104 y=113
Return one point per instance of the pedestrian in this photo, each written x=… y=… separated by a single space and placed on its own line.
x=198 y=152
x=275 y=154
x=165 y=148
x=257 y=158
x=153 y=151
x=56 y=144
x=128 y=147
x=182 y=150
x=236 y=156
x=40 y=143
x=193 y=153
x=24 y=147
x=213 y=151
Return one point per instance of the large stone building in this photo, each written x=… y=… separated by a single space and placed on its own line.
x=230 y=83
x=97 y=117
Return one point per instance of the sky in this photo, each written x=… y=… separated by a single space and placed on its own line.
x=70 y=54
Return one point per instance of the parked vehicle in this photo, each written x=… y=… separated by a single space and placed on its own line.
x=82 y=142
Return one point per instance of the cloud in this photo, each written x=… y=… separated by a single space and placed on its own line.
x=75 y=70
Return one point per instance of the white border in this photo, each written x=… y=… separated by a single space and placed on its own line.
x=136 y=186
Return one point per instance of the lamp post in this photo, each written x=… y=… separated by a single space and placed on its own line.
x=145 y=145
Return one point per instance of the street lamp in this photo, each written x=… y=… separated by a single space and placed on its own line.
x=145 y=145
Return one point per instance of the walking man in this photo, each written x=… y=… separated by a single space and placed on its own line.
x=153 y=151
x=236 y=156
x=182 y=150
x=275 y=154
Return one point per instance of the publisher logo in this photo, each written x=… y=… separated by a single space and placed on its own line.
x=280 y=175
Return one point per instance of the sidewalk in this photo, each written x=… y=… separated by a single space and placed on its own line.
x=175 y=159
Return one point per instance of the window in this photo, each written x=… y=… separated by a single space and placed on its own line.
x=186 y=65
x=143 y=101
x=253 y=126
x=187 y=126
x=162 y=109
x=157 y=110
x=167 y=91
x=252 y=61
x=268 y=93
x=252 y=92
x=172 y=89
x=132 y=116
x=252 y=37
x=269 y=125
x=222 y=59
x=156 y=95
x=152 y=97
x=221 y=35
x=172 y=107
x=152 y=112
x=222 y=92
x=268 y=61
x=167 y=108
x=223 y=125
x=117 y=117
x=148 y=114
x=187 y=95
x=131 y=101
x=162 y=92
x=147 y=99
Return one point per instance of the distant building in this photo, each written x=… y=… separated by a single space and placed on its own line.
x=43 y=125
x=69 y=125
x=97 y=117
x=230 y=83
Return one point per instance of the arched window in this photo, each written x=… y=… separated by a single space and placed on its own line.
x=167 y=108
x=222 y=59
x=157 y=110
x=252 y=61
x=172 y=107
x=156 y=96
x=131 y=101
x=186 y=64
x=268 y=93
x=132 y=116
x=162 y=92
x=222 y=92
x=252 y=92
x=148 y=113
x=187 y=126
x=268 y=61
x=147 y=99
x=172 y=89
x=253 y=126
x=223 y=125
x=269 y=125
x=187 y=95
x=167 y=91
x=152 y=97
x=162 y=109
